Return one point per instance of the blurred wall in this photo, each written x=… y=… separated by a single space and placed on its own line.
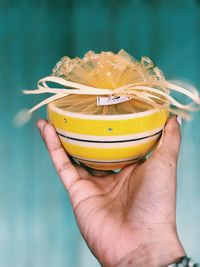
x=37 y=227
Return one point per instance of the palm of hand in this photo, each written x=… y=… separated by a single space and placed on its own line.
x=117 y=213
x=125 y=206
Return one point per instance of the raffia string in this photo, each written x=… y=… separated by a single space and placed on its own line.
x=137 y=90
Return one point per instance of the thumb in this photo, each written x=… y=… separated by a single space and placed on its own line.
x=171 y=140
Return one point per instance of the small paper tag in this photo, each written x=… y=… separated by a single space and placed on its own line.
x=111 y=100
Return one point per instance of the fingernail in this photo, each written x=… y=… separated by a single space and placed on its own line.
x=179 y=120
x=40 y=123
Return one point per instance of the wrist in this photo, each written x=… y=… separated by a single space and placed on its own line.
x=160 y=254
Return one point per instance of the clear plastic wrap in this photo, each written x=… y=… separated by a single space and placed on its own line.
x=107 y=70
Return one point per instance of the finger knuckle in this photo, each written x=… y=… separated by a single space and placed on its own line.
x=56 y=148
x=64 y=167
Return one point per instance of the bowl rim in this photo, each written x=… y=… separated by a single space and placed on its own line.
x=104 y=117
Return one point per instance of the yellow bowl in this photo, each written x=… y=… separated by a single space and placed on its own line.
x=108 y=142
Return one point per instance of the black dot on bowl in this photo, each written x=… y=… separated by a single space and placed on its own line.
x=65 y=120
x=110 y=129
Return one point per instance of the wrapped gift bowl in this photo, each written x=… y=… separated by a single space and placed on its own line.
x=109 y=109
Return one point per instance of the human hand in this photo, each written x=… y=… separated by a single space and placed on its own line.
x=128 y=218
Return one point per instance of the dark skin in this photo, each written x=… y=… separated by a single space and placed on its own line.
x=128 y=218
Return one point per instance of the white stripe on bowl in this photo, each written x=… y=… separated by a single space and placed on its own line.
x=128 y=159
x=109 y=145
x=109 y=138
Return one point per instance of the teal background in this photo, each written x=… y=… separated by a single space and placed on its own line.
x=37 y=227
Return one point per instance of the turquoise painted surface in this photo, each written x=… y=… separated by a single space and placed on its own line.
x=37 y=227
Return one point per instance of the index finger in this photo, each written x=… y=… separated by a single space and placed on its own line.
x=68 y=173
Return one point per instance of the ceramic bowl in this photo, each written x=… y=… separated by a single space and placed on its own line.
x=108 y=142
